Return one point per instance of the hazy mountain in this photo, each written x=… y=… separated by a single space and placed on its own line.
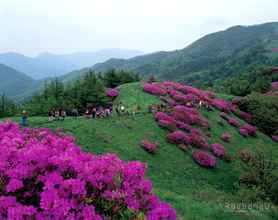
x=208 y=59
x=49 y=65
x=13 y=82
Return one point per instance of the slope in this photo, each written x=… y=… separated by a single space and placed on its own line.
x=195 y=192
x=13 y=82
x=212 y=57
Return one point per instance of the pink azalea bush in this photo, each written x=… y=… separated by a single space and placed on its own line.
x=233 y=122
x=274 y=85
x=44 y=175
x=198 y=140
x=112 y=93
x=274 y=138
x=250 y=128
x=222 y=105
x=204 y=159
x=148 y=146
x=154 y=89
x=243 y=132
x=226 y=137
x=176 y=137
x=218 y=150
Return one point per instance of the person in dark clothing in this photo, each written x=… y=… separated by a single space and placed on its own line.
x=94 y=112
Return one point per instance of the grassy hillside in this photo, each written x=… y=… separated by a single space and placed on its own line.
x=196 y=193
x=213 y=57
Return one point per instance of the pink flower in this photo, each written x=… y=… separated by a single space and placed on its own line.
x=204 y=159
x=112 y=93
x=148 y=146
x=154 y=89
x=226 y=137
x=176 y=137
x=234 y=122
x=243 y=132
x=251 y=129
x=218 y=150
x=274 y=138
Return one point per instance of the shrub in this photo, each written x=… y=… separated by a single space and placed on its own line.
x=204 y=159
x=222 y=105
x=218 y=150
x=154 y=89
x=226 y=137
x=176 y=137
x=243 y=132
x=234 y=122
x=170 y=125
x=274 y=138
x=148 y=146
x=264 y=111
x=198 y=140
x=112 y=93
x=44 y=175
x=250 y=129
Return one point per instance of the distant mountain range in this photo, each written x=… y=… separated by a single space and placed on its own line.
x=206 y=61
x=49 y=65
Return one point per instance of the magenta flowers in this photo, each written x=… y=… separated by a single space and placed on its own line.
x=218 y=150
x=148 y=146
x=154 y=89
x=226 y=137
x=177 y=137
x=44 y=176
x=204 y=159
x=251 y=129
x=112 y=93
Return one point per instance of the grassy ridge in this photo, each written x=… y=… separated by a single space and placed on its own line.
x=195 y=192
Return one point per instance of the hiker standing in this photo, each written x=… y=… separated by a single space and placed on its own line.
x=24 y=118
x=63 y=114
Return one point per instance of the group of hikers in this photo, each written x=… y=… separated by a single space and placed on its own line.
x=93 y=112
x=57 y=114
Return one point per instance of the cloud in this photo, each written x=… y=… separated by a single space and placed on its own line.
x=62 y=26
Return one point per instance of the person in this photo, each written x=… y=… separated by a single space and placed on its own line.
x=75 y=113
x=56 y=115
x=50 y=115
x=87 y=114
x=24 y=118
x=94 y=113
x=63 y=115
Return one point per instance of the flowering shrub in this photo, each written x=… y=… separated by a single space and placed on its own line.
x=234 y=122
x=224 y=115
x=222 y=105
x=243 y=132
x=177 y=137
x=218 y=150
x=198 y=140
x=163 y=116
x=204 y=159
x=112 y=93
x=148 y=146
x=226 y=137
x=168 y=124
x=251 y=129
x=44 y=175
x=274 y=138
x=274 y=85
x=154 y=89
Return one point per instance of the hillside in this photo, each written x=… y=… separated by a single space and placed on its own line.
x=212 y=57
x=49 y=65
x=13 y=82
x=195 y=192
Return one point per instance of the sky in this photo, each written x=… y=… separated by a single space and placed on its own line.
x=65 y=26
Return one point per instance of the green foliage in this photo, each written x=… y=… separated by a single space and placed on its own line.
x=264 y=110
x=243 y=84
x=7 y=107
x=89 y=90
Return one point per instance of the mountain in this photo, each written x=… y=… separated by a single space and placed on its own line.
x=13 y=82
x=49 y=65
x=210 y=58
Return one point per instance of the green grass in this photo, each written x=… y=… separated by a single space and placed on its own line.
x=195 y=192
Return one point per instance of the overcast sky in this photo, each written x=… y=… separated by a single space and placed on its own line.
x=65 y=26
